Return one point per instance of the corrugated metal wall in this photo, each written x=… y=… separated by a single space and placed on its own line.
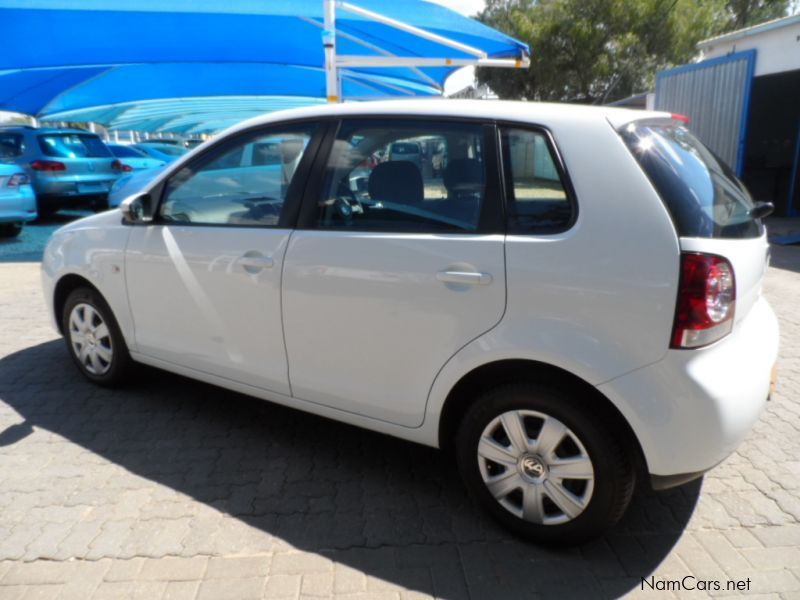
x=715 y=95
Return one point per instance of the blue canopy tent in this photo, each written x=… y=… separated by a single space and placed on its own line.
x=193 y=66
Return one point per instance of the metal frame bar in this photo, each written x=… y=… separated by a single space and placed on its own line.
x=427 y=35
x=346 y=60
x=334 y=63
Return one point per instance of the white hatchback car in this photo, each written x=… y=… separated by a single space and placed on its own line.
x=572 y=299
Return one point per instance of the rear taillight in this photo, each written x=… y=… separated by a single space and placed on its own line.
x=48 y=165
x=18 y=179
x=706 y=301
x=121 y=166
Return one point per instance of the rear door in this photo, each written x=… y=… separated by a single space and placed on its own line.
x=392 y=272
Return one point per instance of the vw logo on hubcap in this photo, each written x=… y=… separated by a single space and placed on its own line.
x=532 y=467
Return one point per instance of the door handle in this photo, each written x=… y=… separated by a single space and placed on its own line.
x=466 y=277
x=254 y=264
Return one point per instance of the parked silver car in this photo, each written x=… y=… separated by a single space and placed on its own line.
x=67 y=167
x=17 y=200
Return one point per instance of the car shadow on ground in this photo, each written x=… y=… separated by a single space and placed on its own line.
x=326 y=487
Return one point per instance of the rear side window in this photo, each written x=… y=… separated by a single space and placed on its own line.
x=11 y=145
x=537 y=201
x=73 y=145
x=703 y=196
x=404 y=176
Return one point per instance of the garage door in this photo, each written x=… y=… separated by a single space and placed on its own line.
x=715 y=95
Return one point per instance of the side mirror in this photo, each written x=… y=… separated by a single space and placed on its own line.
x=137 y=209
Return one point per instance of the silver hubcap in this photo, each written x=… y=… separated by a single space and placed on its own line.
x=90 y=339
x=535 y=467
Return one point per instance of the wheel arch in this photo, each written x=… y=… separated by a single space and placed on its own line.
x=63 y=289
x=473 y=384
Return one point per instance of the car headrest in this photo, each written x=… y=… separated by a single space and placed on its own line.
x=396 y=181
x=463 y=174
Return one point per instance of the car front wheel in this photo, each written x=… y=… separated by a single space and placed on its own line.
x=544 y=464
x=94 y=339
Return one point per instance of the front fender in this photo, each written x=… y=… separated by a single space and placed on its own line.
x=93 y=249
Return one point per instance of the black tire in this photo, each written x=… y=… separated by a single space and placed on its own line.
x=10 y=230
x=613 y=472
x=99 y=204
x=44 y=210
x=114 y=371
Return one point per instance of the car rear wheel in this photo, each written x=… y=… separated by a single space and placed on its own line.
x=544 y=464
x=9 y=230
x=94 y=339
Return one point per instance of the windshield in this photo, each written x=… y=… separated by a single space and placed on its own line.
x=700 y=191
x=73 y=145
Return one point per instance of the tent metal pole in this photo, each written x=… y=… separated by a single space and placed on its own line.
x=329 y=43
x=411 y=29
x=345 y=60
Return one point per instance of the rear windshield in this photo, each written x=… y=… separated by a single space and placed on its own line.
x=73 y=145
x=700 y=191
x=10 y=145
x=125 y=152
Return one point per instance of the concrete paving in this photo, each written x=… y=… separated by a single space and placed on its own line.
x=176 y=489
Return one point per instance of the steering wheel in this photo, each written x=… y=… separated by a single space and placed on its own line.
x=346 y=203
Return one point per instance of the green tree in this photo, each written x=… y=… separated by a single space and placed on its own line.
x=745 y=13
x=595 y=51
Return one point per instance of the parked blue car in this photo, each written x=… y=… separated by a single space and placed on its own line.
x=66 y=167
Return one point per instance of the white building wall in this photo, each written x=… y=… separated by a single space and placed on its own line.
x=778 y=47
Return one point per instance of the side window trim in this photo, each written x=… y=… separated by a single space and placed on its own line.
x=492 y=217
x=294 y=192
x=508 y=179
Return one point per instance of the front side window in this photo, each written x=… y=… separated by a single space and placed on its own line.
x=404 y=176
x=702 y=194
x=73 y=145
x=236 y=184
x=537 y=201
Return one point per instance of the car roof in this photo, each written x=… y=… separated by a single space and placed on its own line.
x=500 y=110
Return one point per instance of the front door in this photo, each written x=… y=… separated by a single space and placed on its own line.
x=204 y=278
x=395 y=268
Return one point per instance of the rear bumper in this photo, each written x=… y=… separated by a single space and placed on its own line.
x=48 y=187
x=694 y=407
x=19 y=207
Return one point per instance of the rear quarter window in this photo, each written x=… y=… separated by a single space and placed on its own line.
x=537 y=200
x=701 y=193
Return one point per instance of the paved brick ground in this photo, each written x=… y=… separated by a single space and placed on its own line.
x=175 y=489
